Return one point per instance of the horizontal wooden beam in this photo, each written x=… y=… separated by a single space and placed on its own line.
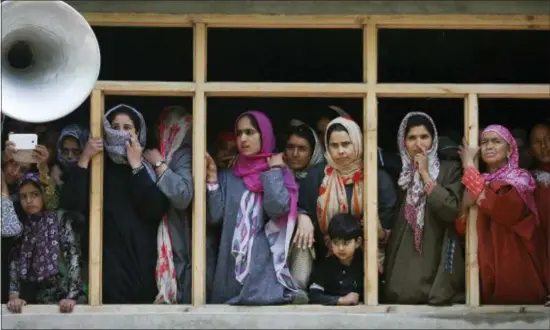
x=499 y=22
x=265 y=89
x=465 y=22
x=520 y=91
x=284 y=21
x=262 y=89
x=146 y=88
x=138 y=19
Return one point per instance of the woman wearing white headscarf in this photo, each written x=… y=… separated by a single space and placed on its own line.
x=336 y=186
x=423 y=261
x=133 y=206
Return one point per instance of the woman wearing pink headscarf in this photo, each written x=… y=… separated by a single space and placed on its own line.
x=255 y=202
x=511 y=249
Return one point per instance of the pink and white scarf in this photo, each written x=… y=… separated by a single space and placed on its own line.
x=174 y=128
x=410 y=181
x=510 y=173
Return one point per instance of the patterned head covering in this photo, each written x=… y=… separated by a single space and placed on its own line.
x=175 y=130
x=410 y=181
x=511 y=173
x=39 y=254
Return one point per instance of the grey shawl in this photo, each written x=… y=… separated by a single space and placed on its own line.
x=115 y=140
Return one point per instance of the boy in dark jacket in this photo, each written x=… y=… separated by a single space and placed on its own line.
x=339 y=279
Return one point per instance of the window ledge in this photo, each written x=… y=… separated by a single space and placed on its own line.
x=293 y=316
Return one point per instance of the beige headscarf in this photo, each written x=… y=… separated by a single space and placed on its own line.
x=332 y=198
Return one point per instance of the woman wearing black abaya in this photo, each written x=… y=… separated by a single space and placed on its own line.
x=133 y=206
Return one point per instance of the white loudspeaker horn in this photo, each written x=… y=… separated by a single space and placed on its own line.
x=50 y=60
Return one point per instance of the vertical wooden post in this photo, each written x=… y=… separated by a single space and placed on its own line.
x=471 y=130
x=370 y=183
x=199 y=168
x=95 y=287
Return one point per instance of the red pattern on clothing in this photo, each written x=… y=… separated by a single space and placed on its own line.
x=429 y=187
x=473 y=181
x=333 y=188
x=165 y=272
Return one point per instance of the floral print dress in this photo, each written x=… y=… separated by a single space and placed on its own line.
x=66 y=284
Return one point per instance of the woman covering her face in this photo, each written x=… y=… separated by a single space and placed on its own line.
x=46 y=266
x=133 y=206
x=255 y=203
x=424 y=265
x=511 y=249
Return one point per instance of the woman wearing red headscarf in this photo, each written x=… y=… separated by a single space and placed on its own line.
x=511 y=251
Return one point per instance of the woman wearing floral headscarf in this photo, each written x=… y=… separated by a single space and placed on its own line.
x=133 y=206
x=424 y=265
x=336 y=186
x=255 y=203
x=511 y=250
x=45 y=267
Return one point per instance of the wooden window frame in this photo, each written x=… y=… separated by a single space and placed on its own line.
x=370 y=90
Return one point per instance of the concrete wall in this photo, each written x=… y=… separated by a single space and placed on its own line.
x=283 y=317
x=319 y=7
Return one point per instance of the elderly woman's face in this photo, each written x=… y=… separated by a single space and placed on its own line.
x=494 y=150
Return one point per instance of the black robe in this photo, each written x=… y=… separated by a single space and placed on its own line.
x=132 y=209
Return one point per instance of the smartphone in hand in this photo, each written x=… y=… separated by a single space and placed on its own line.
x=25 y=145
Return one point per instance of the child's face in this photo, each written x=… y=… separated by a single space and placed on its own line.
x=344 y=249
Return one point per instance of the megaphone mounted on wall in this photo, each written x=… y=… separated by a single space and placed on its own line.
x=50 y=60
